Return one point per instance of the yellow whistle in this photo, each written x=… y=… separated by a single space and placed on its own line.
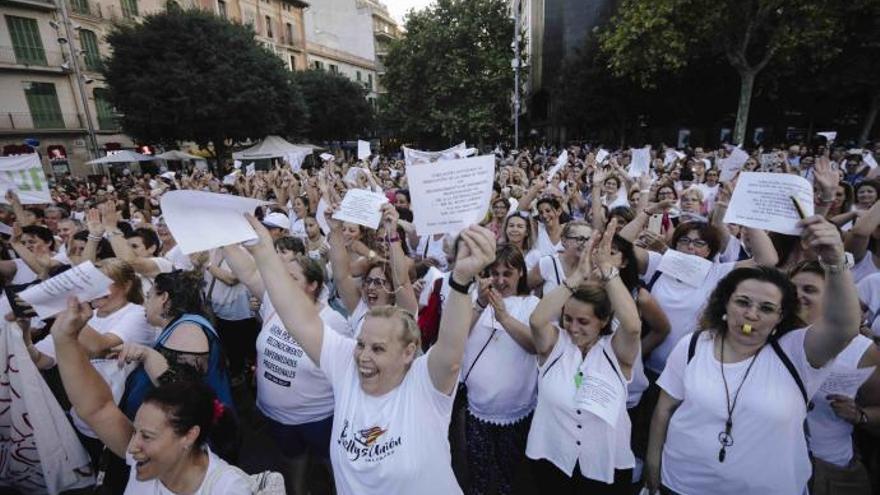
x=747 y=329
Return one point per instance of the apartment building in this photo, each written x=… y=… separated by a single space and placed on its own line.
x=385 y=30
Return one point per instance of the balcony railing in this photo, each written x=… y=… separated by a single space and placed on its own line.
x=36 y=58
x=87 y=8
x=47 y=120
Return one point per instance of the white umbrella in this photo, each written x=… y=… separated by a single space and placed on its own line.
x=177 y=155
x=124 y=156
x=270 y=147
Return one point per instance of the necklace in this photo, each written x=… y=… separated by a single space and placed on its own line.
x=725 y=437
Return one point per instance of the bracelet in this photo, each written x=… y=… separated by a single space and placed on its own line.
x=457 y=287
x=570 y=288
x=111 y=233
x=614 y=272
x=481 y=307
x=390 y=239
x=92 y=237
x=835 y=268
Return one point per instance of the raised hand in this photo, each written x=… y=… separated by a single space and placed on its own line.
x=475 y=253
x=823 y=238
x=71 y=321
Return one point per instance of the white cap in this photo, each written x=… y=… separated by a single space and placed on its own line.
x=276 y=220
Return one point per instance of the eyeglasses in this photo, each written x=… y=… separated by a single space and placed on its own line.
x=688 y=241
x=765 y=309
x=581 y=240
x=378 y=282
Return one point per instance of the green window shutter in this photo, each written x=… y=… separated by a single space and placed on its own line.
x=106 y=114
x=90 y=46
x=80 y=6
x=26 y=42
x=129 y=8
x=43 y=103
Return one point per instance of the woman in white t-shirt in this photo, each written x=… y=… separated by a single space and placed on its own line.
x=863 y=241
x=166 y=444
x=550 y=226
x=517 y=230
x=847 y=399
x=384 y=282
x=392 y=406
x=578 y=444
x=292 y=392
x=499 y=372
x=552 y=270
x=734 y=397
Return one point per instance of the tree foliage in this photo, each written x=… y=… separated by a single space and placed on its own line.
x=650 y=37
x=189 y=75
x=338 y=106
x=451 y=76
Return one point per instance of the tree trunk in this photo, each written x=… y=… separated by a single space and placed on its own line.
x=870 y=119
x=746 y=87
x=219 y=153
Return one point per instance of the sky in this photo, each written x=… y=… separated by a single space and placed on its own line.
x=399 y=7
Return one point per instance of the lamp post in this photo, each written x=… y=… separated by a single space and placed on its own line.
x=92 y=140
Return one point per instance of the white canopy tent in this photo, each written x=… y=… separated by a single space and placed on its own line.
x=271 y=147
x=177 y=155
x=124 y=156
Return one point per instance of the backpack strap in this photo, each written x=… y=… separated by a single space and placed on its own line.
x=556 y=270
x=653 y=280
x=774 y=343
x=692 y=345
x=478 y=355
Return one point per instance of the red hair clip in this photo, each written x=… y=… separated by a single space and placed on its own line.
x=218 y=411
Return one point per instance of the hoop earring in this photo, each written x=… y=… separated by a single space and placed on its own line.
x=724 y=317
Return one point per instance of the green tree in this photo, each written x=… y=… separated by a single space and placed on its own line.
x=339 y=106
x=450 y=78
x=648 y=37
x=189 y=75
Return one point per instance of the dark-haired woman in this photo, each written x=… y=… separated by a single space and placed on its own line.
x=734 y=397
x=847 y=400
x=580 y=444
x=167 y=443
x=499 y=370
x=517 y=230
x=549 y=240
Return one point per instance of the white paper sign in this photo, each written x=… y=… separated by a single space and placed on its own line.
x=363 y=149
x=686 y=268
x=671 y=156
x=229 y=180
x=451 y=195
x=829 y=136
x=327 y=157
x=844 y=382
x=201 y=220
x=601 y=396
x=560 y=162
x=641 y=161
x=362 y=207
x=763 y=201
x=24 y=175
x=601 y=156
x=419 y=157
x=251 y=169
x=732 y=164
x=84 y=281
x=236 y=164
x=295 y=160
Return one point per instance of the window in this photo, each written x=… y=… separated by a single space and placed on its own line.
x=43 y=104
x=334 y=68
x=268 y=26
x=358 y=75
x=26 y=42
x=370 y=82
x=80 y=6
x=292 y=62
x=90 y=46
x=289 y=39
x=129 y=8
x=106 y=113
x=221 y=8
x=319 y=65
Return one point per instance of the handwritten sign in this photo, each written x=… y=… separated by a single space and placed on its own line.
x=24 y=175
x=84 y=281
x=763 y=201
x=451 y=195
x=362 y=207
x=686 y=268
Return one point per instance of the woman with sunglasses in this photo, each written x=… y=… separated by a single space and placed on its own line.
x=518 y=232
x=552 y=270
x=384 y=282
x=714 y=429
x=848 y=400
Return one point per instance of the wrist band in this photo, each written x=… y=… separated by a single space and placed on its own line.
x=570 y=288
x=390 y=239
x=482 y=306
x=463 y=288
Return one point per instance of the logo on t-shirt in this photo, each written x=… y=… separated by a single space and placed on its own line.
x=367 y=444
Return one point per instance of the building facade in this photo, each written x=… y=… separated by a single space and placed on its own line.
x=385 y=30
x=51 y=88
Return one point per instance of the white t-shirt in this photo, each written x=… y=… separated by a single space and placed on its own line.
x=682 y=304
x=566 y=435
x=395 y=443
x=290 y=388
x=229 y=302
x=864 y=267
x=532 y=258
x=869 y=294
x=502 y=385
x=23 y=273
x=297 y=227
x=165 y=266
x=544 y=245
x=177 y=258
x=552 y=272
x=830 y=436
x=769 y=455
x=432 y=248
x=226 y=481
x=356 y=318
